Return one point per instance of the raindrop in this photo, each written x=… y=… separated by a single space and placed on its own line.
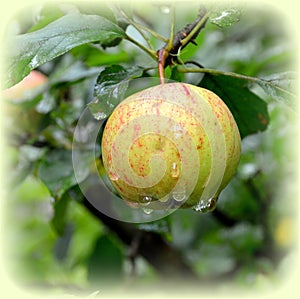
x=225 y=18
x=99 y=115
x=146 y=200
x=113 y=176
x=165 y=9
x=206 y=205
x=175 y=170
x=177 y=131
x=147 y=211
x=179 y=195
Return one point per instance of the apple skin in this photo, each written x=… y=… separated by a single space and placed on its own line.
x=171 y=145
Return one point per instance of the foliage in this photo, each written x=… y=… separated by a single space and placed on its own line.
x=90 y=54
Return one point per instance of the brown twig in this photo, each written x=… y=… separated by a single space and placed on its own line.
x=168 y=53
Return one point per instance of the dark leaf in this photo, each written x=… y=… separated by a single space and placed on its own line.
x=62 y=245
x=57 y=173
x=58 y=220
x=249 y=111
x=105 y=262
x=30 y=50
x=110 y=89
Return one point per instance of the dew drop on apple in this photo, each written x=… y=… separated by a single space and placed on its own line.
x=174 y=170
x=113 y=176
x=206 y=205
x=179 y=195
x=146 y=200
x=147 y=211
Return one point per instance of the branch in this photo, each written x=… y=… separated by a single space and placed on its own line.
x=165 y=259
x=168 y=53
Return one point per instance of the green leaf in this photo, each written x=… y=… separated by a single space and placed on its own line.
x=249 y=111
x=48 y=14
x=225 y=18
x=57 y=173
x=105 y=263
x=71 y=70
x=280 y=87
x=30 y=50
x=58 y=220
x=110 y=89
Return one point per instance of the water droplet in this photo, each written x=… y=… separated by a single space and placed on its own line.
x=146 y=200
x=225 y=18
x=178 y=131
x=179 y=195
x=113 y=175
x=175 y=170
x=165 y=9
x=147 y=211
x=206 y=205
x=99 y=115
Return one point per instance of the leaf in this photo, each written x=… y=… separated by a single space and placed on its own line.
x=27 y=156
x=71 y=70
x=105 y=263
x=57 y=173
x=33 y=49
x=249 y=111
x=225 y=18
x=58 y=220
x=48 y=14
x=110 y=89
x=280 y=87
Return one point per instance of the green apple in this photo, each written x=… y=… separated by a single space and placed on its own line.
x=171 y=145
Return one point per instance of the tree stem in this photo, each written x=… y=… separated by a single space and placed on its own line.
x=151 y=52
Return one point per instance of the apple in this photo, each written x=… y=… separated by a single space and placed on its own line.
x=171 y=145
x=31 y=82
x=22 y=119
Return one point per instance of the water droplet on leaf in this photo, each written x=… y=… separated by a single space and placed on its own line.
x=99 y=115
x=225 y=18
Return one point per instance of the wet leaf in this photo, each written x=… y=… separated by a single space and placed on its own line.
x=30 y=50
x=57 y=173
x=280 y=87
x=110 y=89
x=225 y=18
x=249 y=111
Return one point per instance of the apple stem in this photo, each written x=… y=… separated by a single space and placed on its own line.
x=161 y=64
